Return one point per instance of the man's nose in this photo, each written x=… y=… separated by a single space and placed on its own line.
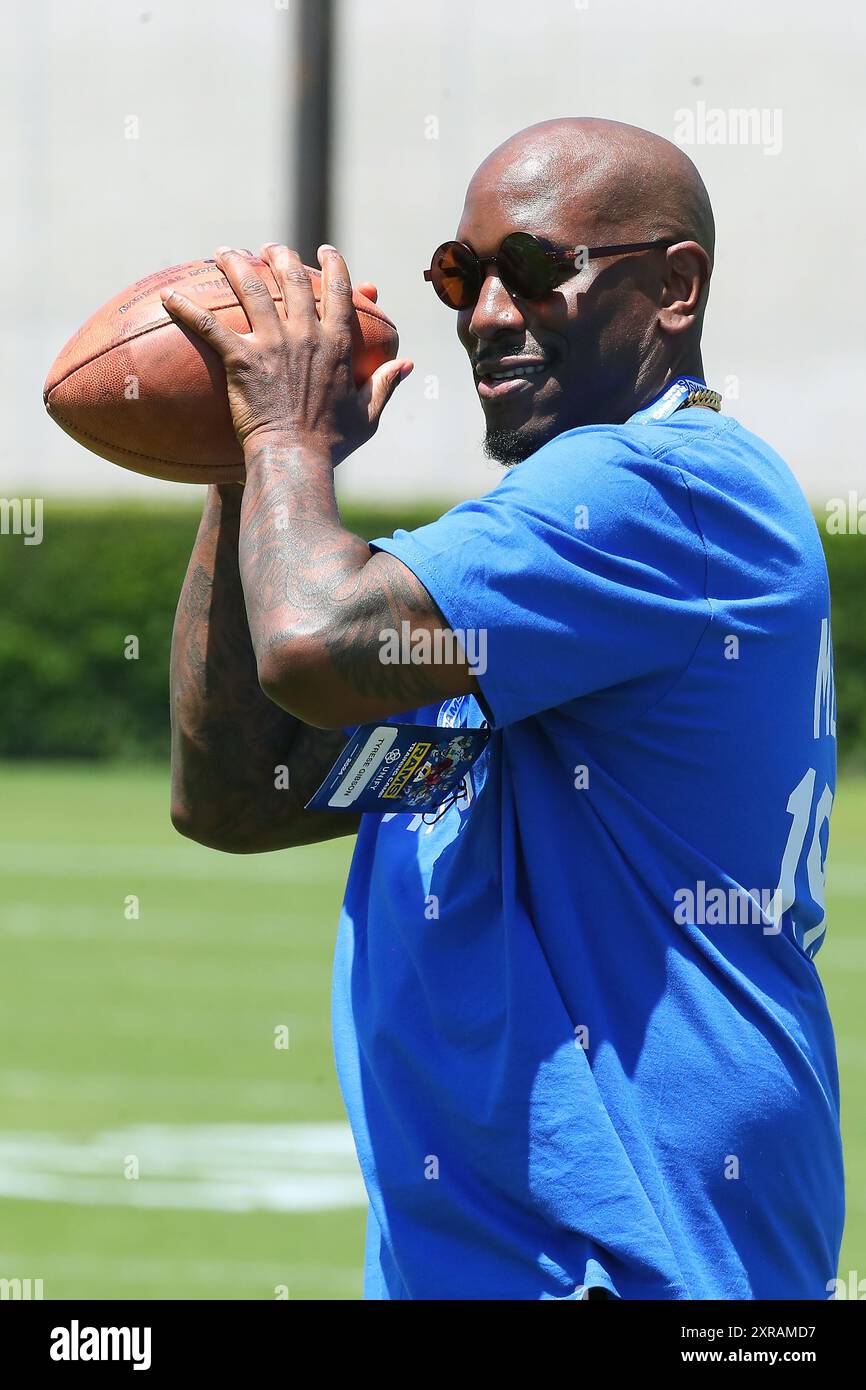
x=495 y=310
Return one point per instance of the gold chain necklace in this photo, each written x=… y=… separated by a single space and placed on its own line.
x=703 y=395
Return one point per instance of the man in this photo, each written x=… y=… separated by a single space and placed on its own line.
x=578 y=1027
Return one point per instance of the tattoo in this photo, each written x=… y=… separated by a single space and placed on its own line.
x=306 y=577
x=229 y=741
x=386 y=595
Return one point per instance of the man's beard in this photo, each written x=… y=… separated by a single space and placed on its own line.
x=509 y=447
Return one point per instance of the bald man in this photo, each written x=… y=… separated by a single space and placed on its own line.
x=579 y=1030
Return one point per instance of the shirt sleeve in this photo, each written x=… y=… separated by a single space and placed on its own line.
x=583 y=571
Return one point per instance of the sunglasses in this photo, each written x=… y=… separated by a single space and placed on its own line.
x=523 y=263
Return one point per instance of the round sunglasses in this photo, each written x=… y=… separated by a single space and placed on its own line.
x=523 y=263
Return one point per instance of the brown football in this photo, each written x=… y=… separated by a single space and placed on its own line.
x=138 y=390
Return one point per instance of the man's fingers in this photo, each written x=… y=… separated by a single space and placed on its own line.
x=337 y=308
x=293 y=281
x=200 y=321
x=376 y=393
x=253 y=294
x=368 y=290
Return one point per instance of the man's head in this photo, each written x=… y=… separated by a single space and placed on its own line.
x=605 y=338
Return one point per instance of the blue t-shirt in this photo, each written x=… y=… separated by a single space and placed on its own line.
x=578 y=1027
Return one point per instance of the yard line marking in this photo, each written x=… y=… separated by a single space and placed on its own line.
x=287 y=1168
x=157 y=1269
x=21 y=917
x=42 y=859
x=278 y=1094
x=191 y=861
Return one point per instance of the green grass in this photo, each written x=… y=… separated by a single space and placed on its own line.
x=110 y=1023
x=107 y=1023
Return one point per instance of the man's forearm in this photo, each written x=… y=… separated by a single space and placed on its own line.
x=319 y=601
x=228 y=738
x=319 y=604
x=299 y=565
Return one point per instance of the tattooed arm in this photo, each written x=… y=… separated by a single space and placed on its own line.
x=228 y=738
x=316 y=598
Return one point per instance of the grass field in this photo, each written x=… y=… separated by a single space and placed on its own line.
x=154 y=1141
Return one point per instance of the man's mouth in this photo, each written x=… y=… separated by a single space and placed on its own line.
x=495 y=379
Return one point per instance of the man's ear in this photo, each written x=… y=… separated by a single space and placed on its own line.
x=687 y=275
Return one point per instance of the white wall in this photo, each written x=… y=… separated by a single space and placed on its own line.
x=86 y=211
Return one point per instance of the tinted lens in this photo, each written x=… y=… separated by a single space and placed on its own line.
x=455 y=274
x=525 y=267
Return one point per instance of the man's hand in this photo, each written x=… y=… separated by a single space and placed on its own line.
x=292 y=378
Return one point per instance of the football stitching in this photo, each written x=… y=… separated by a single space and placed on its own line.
x=152 y=328
x=132 y=453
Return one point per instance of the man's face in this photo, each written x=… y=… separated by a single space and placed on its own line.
x=577 y=352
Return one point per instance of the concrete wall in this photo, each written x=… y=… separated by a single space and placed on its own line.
x=424 y=91
x=86 y=210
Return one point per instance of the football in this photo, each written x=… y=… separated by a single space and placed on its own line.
x=135 y=388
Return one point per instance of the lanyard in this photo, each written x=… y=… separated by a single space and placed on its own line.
x=668 y=402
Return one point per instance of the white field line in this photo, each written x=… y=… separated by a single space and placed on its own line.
x=287 y=1168
x=156 y=1270
x=89 y=1087
x=72 y=921
x=41 y=859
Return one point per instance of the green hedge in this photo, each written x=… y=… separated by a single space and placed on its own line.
x=108 y=571
x=102 y=573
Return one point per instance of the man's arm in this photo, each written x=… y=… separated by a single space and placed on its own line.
x=228 y=739
x=321 y=607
